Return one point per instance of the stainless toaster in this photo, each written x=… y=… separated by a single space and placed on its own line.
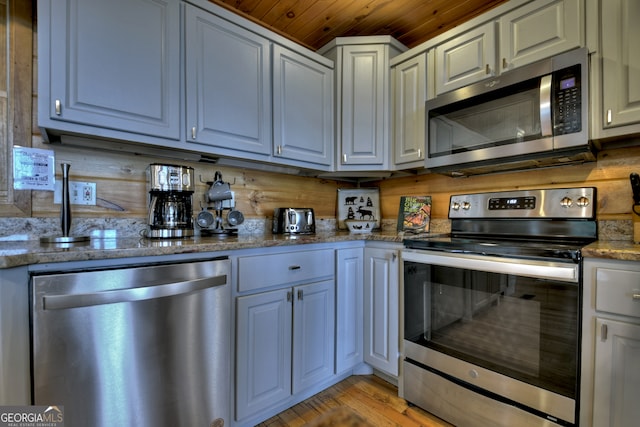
x=294 y=221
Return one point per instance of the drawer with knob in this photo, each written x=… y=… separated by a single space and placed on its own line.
x=618 y=291
x=263 y=271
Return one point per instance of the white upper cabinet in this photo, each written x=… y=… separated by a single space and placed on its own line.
x=182 y=75
x=228 y=85
x=363 y=98
x=616 y=69
x=529 y=33
x=302 y=108
x=105 y=75
x=409 y=96
x=364 y=105
x=466 y=59
x=539 y=30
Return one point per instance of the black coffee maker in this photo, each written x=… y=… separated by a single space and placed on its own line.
x=170 y=201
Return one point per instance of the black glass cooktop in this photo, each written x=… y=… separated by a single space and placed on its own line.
x=568 y=250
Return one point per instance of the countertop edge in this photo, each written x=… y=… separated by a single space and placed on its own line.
x=20 y=253
x=613 y=249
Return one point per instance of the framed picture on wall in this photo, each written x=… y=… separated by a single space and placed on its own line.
x=358 y=203
x=414 y=214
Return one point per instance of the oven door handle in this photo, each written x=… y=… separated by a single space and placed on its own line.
x=565 y=272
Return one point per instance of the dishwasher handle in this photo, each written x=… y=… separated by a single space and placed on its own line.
x=60 y=302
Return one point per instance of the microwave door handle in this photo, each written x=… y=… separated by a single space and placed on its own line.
x=545 y=106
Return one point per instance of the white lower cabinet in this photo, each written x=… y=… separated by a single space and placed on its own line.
x=285 y=338
x=306 y=319
x=263 y=351
x=381 y=309
x=611 y=344
x=349 y=308
x=617 y=373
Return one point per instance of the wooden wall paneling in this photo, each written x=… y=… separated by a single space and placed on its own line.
x=16 y=96
x=610 y=175
x=313 y=16
x=317 y=22
x=121 y=178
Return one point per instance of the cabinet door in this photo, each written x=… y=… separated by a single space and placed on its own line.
x=302 y=108
x=113 y=64
x=409 y=96
x=349 y=308
x=540 y=30
x=313 y=334
x=617 y=377
x=263 y=351
x=364 y=109
x=466 y=59
x=228 y=87
x=620 y=65
x=381 y=309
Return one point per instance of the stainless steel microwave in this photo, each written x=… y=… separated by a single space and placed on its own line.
x=534 y=116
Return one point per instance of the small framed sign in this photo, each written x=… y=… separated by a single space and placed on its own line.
x=358 y=203
x=414 y=214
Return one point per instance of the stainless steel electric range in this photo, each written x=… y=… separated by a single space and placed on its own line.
x=491 y=312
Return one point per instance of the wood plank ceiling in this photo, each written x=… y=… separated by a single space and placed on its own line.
x=313 y=23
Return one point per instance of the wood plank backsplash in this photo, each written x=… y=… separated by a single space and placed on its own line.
x=610 y=175
x=121 y=179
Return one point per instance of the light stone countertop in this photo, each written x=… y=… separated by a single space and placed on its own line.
x=18 y=253
x=613 y=249
x=14 y=253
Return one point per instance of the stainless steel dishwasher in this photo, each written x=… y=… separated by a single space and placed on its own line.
x=136 y=346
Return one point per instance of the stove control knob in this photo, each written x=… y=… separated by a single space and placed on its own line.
x=566 y=202
x=583 y=202
x=455 y=206
x=466 y=205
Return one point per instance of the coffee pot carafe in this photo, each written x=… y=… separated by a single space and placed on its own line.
x=171 y=190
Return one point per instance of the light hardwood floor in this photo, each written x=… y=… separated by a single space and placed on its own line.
x=371 y=400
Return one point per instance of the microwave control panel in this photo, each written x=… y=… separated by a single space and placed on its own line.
x=567 y=101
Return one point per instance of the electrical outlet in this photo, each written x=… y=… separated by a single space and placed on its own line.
x=80 y=193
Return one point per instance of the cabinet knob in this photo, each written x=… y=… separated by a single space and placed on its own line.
x=289 y=296
x=505 y=65
x=419 y=153
x=294 y=267
x=300 y=294
x=344 y=158
x=58 y=107
x=193 y=133
x=609 y=117
x=487 y=69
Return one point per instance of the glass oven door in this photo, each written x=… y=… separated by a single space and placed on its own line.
x=517 y=318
